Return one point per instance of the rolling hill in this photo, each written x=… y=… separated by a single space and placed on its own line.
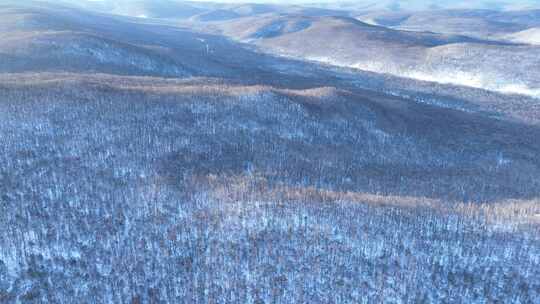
x=529 y=36
x=413 y=6
x=198 y=10
x=444 y=58
x=57 y=39
x=478 y=23
x=144 y=8
x=61 y=38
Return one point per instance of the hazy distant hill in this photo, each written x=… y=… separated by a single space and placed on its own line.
x=57 y=38
x=144 y=8
x=427 y=5
x=200 y=11
x=38 y=39
x=478 y=23
x=348 y=30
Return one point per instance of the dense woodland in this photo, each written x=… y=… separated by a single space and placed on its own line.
x=146 y=190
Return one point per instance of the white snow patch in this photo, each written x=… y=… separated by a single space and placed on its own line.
x=449 y=77
x=473 y=80
x=521 y=89
x=501 y=160
x=529 y=36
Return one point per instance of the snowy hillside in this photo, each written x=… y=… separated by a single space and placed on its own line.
x=425 y=56
x=529 y=36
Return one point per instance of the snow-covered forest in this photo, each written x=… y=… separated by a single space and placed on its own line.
x=153 y=191
x=164 y=152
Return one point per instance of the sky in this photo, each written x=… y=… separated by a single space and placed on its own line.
x=395 y=4
x=401 y=2
x=409 y=4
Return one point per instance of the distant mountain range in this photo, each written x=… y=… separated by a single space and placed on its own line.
x=461 y=43
x=424 y=5
x=426 y=55
x=480 y=23
x=58 y=38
